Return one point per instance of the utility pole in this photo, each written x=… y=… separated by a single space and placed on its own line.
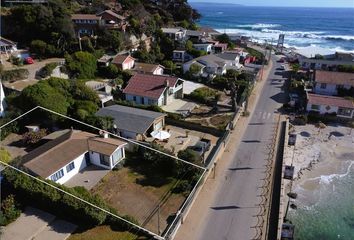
x=79 y=41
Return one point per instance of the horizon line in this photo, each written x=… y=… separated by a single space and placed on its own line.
x=243 y=5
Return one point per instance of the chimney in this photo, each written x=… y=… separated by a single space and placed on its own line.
x=103 y=134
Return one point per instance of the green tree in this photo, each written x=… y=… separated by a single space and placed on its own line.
x=169 y=66
x=195 y=69
x=189 y=155
x=82 y=65
x=189 y=46
x=38 y=47
x=44 y=95
x=34 y=137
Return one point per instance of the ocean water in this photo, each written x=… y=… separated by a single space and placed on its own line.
x=328 y=28
x=326 y=211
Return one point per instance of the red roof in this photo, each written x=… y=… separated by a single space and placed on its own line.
x=151 y=86
x=120 y=59
x=338 y=78
x=317 y=99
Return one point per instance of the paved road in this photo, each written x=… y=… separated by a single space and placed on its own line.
x=232 y=213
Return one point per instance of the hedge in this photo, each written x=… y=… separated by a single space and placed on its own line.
x=62 y=204
x=14 y=75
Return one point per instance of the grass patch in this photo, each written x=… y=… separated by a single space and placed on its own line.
x=104 y=232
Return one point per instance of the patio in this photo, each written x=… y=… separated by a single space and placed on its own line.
x=180 y=106
x=88 y=177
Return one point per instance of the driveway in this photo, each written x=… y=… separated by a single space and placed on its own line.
x=34 y=224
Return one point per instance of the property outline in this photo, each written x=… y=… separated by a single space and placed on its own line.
x=157 y=236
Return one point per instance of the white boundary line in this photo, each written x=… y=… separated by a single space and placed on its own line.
x=128 y=140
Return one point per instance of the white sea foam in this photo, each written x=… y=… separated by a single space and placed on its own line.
x=326 y=179
x=258 y=25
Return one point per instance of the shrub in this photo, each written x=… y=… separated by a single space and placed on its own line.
x=14 y=75
x=5 y=156
x=31 y=190
x=9 y=211
x=38 y=47
x=34 y=137
x=203 y=95
x=47 y=70
x=189 y=155
x=182 y=187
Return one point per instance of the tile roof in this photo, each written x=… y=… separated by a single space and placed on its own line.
x=325 y=100
x=146 y=67
x=151 y=86
x=228 y=56
x=85 y=17
x=110 y=12
x=120 y=59
x=338 y=78
x=131 y=119
x=57 y=153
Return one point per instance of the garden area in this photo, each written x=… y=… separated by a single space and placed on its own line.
x=156 y=185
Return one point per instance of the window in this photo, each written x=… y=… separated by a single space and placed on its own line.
x=323 y=85
x=104 y=160
x=315 y=107
x=70 y=166
x=339 y=86
x=134 y=98
x=56 y=176
x=344 y=112
x=117 y=156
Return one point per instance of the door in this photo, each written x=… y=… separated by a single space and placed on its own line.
x=87 y=159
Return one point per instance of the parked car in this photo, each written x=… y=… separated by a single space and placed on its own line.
x=28 y=60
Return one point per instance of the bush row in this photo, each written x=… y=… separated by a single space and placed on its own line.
x=62 y=204
x=14 y=75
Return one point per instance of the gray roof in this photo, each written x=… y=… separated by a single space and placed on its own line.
x=131 y=119
x=209 y=60
x=194 y=33
x=171 y=30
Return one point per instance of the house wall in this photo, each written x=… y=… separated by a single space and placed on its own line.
x=158 y=71
x=204 y=47
x=95 y=159
x=128 y=64
x=128 y=134
x=322 y=109
x=330 y=89
x=139 y=100
x=79 y=162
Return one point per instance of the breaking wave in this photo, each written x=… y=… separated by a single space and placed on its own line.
x=258 y=26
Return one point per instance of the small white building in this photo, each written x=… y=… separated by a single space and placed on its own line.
x=210 y=65
x=328 y=83
x=177 y=34
x=147 y=68
x=207 y=47
x=328 y=104
x=123 y=62
x=72 y=151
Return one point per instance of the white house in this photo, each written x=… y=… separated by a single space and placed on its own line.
x=123 y=62
x=134 y=123
x=210 y=65
x=155 y=69
x=72 y=151
x=328 y=83
x=207 y=47
x=177 y=34
x=2 y=101
x=147 y=89
x=329 y=104
x=232 y=59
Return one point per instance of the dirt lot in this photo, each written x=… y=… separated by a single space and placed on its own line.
x=121 y=190
x=13 y=145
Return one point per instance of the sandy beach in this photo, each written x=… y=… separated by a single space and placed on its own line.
x=324 y=178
